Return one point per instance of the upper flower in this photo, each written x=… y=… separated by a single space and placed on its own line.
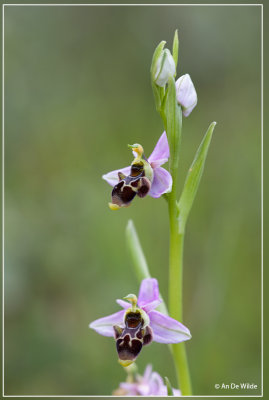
x=139 y=324
x=144 y=176
x=150 y=384
x=186 y=94
x=165 y=67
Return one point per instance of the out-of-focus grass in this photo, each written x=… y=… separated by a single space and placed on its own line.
x=77 y=90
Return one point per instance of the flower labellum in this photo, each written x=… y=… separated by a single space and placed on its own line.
x=143 y=177
x=186 y=94
x=140 y=324
x=165 y=67
x=135 y=334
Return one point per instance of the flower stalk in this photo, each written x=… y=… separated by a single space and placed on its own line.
x=172 y=101
x=174 y=128
x=178 y=214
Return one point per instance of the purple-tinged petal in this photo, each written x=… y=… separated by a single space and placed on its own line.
x=150 y=306
x=130 y=388
x=163 y=391
x=162 y=182
x=123 y=303
x=104 y=326
x=135 y=389
x=143 y=389
x=161 y=153
x=155 y=384
x=113 y=178
x=167 y=329
x=148 y=292
x=176 y=392
x=147 y=372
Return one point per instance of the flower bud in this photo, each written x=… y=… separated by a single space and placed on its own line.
x=165 y=67
x=186 y=94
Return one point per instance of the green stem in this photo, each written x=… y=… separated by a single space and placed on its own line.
x=175 y=284
x=181 y=362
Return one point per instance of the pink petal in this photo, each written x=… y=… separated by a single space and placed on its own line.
x=148 y=292
x=123 y=303
x=112 y=177
x=143 y=389
x=131 y=388
x=150 y=306
x=161 y=153
x=162 y=182
x=147 y=372
x=155 y=384
x=166 y=329
x=104 y=326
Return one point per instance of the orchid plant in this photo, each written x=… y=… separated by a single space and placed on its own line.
x=139 y=323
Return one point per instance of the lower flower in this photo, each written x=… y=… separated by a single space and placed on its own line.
x=150 y=384
x=138 y=324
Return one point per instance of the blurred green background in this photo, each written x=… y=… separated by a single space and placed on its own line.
x=77 y=90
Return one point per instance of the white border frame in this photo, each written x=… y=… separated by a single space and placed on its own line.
x=3 y=182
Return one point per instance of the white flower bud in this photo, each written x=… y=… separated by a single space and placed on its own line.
x=186 y=94
x=165 y=67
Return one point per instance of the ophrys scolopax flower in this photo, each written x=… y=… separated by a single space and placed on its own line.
x=143 y=177
x=140 y=324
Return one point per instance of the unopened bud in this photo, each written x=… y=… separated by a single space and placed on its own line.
x=186 y=94
x=165 y=67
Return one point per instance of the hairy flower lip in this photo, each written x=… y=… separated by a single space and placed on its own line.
x=165 y=329
x=162 y=180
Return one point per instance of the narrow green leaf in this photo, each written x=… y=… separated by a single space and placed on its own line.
x=169 y=387
x=174 y=123
x=139 y=259
x=175 y=48
x=137 y=255
x=193 y=179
